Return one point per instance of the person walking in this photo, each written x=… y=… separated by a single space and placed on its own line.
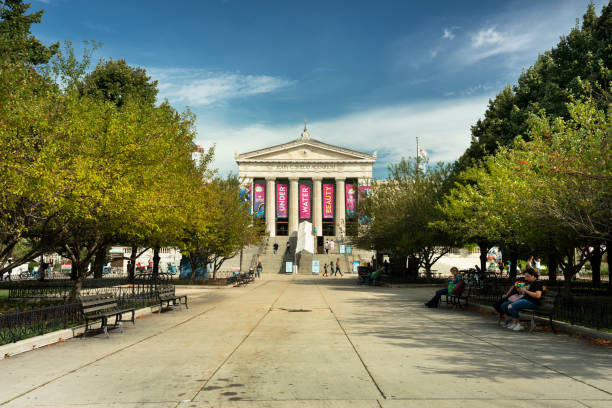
x=259 y=267
x=327 y=247
x=275 y=246
x=331 y=268
x=324 y=269
x=338 y=267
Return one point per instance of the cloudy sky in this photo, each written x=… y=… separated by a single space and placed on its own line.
x=367 y=75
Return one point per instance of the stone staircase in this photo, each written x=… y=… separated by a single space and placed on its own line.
x=275 y=263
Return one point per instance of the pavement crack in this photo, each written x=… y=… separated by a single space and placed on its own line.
x=241 y=342
x=365 y=366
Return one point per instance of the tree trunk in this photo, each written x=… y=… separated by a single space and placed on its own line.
x=568 y=274
x=484 y=250
x=413 y=267
x=596 y=265
x=608 y=246
x=155 y=263
x=80 y=270
x=42 y=269
x=552 y=266
x=99 y=261
x=513 y=263
x=132 y=265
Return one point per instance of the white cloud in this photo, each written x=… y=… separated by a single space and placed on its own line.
x=443 y=129
x=486 y=37
x=488 y=42
x=448 y=34
x=200 y=88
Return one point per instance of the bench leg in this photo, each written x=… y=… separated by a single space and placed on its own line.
x=105 y=327
x=532 y=323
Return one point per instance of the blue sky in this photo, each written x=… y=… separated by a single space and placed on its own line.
x=367 y=75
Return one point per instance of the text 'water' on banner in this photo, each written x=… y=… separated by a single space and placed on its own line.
x=304 y=202
x=259 y=199
x=281 y=201
x=328 y=201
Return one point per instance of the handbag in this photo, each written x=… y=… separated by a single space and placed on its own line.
x=458 y=289
x=515 y=297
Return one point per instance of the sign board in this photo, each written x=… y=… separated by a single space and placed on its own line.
x=342 y=249
x=315 y=267
x=348 y=249
x=288 y=267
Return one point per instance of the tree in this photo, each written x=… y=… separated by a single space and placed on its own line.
x=17 y=45
x=580 y=65
x=220 y=225
x=401 y=209
x=551 y=193
x=116 y=81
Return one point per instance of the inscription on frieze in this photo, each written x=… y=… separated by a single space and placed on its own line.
x=305 y=166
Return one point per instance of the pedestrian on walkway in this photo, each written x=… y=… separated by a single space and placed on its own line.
x=332 y=272
x=327 y=247
x=259 y=267
x=324 y=269
x=338 y=267
x=275 y=246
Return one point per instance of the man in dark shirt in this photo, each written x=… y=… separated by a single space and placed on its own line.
x=532 y=293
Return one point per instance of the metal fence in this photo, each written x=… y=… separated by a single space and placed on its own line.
x=15 y=326
x=19 y=325
x=588 y=306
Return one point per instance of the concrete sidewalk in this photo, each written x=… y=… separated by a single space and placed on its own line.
x=301 y=341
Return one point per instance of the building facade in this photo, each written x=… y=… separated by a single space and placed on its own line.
x=305 y=180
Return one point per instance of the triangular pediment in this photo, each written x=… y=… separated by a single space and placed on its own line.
x=305 y=150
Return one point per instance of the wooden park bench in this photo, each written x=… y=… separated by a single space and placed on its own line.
x=167 y=294
x=548 y=303
x=104 y=308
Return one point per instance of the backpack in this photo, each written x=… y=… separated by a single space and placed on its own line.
x=458 y=289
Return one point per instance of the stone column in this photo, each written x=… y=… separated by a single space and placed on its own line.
x=293 y=205
x=340 y=208
x=270 y=209
x=317 y=216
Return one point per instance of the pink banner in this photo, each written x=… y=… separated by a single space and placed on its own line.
x=281 y=201
x=351 y=200
x=259 y=199
x=328 y=201
x=304 y=202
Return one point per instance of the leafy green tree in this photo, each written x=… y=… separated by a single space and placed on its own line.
x=220 y=225
x=116 y=81
x=551 y=194
x=17 y=44
x=580 y=65
x=401 y=209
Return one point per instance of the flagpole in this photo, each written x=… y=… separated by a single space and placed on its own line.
x=417 y=157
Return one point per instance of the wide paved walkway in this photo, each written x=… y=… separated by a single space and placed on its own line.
x=294 y=341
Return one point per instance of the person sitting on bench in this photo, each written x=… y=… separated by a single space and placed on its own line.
x=532 y=293
x=453 y=280
x=512 y=295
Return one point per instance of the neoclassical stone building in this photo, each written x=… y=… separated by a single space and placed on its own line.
x=305 y=180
